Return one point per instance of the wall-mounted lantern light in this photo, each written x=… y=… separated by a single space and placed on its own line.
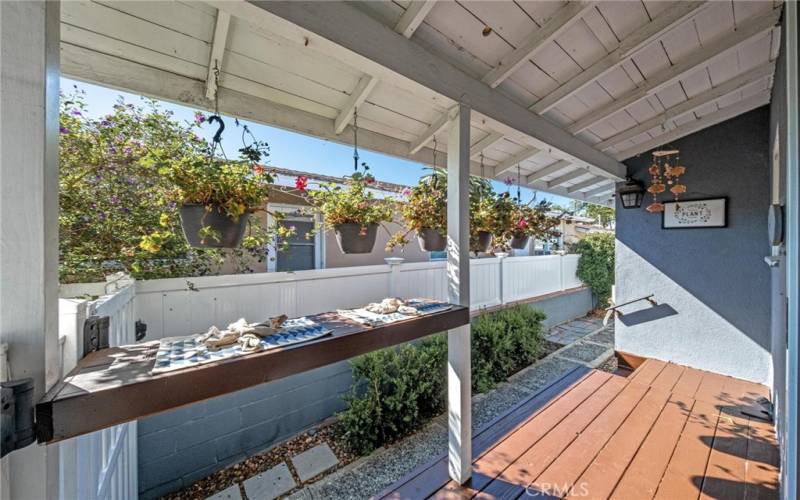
x=631 y=194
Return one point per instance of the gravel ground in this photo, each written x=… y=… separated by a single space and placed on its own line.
x=584 y=351
x=220 y=480
x=605 y=337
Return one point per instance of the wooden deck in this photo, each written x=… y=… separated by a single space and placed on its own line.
x=666 y=432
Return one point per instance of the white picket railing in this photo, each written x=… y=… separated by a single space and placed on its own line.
x=101 y=465
x=178 y=306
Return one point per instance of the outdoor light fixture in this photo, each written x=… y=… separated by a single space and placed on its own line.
x=631 y=194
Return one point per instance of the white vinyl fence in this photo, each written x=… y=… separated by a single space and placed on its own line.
x=179 y=306
x=101 y=465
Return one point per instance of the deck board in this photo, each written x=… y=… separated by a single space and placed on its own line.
x=666 y=431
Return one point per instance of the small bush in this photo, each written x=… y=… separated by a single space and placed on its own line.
x=596 y=265
x=403 y=389
x=503 y=343
x=399 y=389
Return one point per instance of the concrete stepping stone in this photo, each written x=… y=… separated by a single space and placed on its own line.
x=270 y=484
x=229 y=493
x=314 y=462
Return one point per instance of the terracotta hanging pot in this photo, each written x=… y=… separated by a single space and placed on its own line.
x=229 y=231
x=482 y=242
x=431 y=240
x=355 y=238
x=519 y=242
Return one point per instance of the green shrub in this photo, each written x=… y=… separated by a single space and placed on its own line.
x=503 y=343
x=596 y=265
x=398 y=389
x=403 y=388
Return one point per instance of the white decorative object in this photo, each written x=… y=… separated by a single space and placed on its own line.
x=695 y=213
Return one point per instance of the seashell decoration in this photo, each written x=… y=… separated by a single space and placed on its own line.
x=665 y=171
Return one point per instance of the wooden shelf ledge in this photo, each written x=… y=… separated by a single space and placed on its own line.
x=114 y=386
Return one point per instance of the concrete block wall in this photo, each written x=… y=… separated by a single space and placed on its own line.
x=181 y=446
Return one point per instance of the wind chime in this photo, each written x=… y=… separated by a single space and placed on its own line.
x=665 y=174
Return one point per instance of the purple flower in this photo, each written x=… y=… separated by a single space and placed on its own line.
x=406 y=192
x=64 y=130
x=114 y=200
x=127 y=151
x=509 y=181
x=199 y=118
x=75 y=112
x=105 y=123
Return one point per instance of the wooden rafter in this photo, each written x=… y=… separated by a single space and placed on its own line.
x=556 y=25
x=548 y=170
x=485 y=143
x=599 y=191
x=511 y=163
x=585 y=184
x=731 y=86
x=566 y=177
x=221 y=27
x=747 y=31
x=723 y=114
x=628 y=47
x=413 y=17
x=436 y=127
x=357 y=98
x=341 y=30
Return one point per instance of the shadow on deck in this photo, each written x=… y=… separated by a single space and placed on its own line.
x=664 y=431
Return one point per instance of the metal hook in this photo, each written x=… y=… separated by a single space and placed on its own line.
x=218 y=135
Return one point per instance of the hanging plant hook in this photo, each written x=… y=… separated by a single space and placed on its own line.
x=221 y=128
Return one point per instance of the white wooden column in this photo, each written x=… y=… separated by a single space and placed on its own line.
x=459 y=370
x=29 y=80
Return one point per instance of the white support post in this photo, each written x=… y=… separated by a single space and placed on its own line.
x=459 y=369
x=29 y=81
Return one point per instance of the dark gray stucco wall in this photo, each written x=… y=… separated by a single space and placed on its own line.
x=179 y=447
x=714 y=283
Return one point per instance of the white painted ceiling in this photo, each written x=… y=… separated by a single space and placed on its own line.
x=622 y=76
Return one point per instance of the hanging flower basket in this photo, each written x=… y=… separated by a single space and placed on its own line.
x=519 y=242
x=431 y=240
x=482 y=242
x=207 y=226
x=355 y=238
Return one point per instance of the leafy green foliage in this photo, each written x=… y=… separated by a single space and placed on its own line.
x=404 y=388
x=398 y=389
x=503 y=343
x=596 y=264
x=118 y=210
x=425 y=207
x=353 y=203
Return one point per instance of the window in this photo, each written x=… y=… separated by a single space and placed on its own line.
x=302 y=253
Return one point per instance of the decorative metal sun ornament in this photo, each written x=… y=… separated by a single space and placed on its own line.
x=665 y=174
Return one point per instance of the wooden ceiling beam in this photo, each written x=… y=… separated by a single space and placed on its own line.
x=599 y=191
x=341 y=30
x=731 y=86
x=356 y=99
x=515 y=160
x=485 y=143
x=221 y=26
x=723 y=114
x=567 y=177
x=563 y=19
x=436 y=127
x=413 y=16
x=585 y=184
x=627 y=48
x=548 y=170
x=699 y=59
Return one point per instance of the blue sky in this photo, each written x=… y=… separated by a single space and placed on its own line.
x=289 y=149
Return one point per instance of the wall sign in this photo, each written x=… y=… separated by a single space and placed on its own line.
x=695 y=213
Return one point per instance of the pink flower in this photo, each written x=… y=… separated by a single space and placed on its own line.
x=406 y=192
x=522 y=224
x=509 y=181
x=301 y=183
x=258 y=169
x=199 y=118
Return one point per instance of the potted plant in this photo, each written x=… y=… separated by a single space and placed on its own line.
x=425 y=212
x=481 y=224
x=352 y=211
x=530 y=222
